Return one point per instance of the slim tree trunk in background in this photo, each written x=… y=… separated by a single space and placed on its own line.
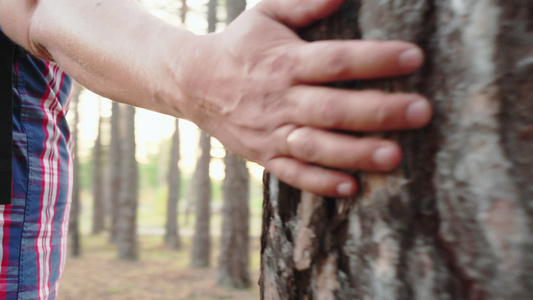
x=183 y=11
x=115 y=155
x=212 y=15
x=172 y=236
x=234 y=8
x=97 y=178
x=128 y=196
x=163 y=160
x=190 y=196
x=455 y=220
x=74 y=224
x=201 y=246
x=234 y=238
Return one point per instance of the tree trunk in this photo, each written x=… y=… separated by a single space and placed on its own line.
x=454 y=221
x=212 y=15
x=183 y=11
x=190 y=196
x=234 y=239
x=172 y=236
x=114 y=168
x=234 y=8
x=201 y=247
x=128 y=196
x=98 y=224
x=74 y=224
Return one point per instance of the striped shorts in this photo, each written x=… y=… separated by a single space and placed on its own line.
x=33 y=229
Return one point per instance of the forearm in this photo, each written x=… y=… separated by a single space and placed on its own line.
x=114 y=47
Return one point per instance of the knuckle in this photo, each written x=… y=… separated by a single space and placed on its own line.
x=282 y=61
x=302 y=144
x=307 y=150
x=289 y=175
x=277 y=103
x=328 y=112
x=382 y=116
x=336 y=62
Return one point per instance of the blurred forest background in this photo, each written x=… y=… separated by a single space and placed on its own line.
x=160 y=210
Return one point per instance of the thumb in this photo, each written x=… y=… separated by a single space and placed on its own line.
x=299 y=13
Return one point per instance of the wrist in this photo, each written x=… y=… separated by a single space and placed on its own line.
x=193 y=73
x=173 y=64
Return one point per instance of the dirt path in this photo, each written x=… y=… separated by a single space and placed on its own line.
x=160 y=274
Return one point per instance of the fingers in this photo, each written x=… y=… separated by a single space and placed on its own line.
x=299 y=13
x=357 y=110
x=311 y=178
x=342 y=151
x=328 y=61
x=311 y=151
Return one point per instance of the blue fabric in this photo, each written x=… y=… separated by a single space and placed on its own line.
x=33 y=229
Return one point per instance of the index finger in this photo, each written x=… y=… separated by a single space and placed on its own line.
x=328 y=61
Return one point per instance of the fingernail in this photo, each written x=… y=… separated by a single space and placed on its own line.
x=385 y=156
x=345 y=189
x=418 y=112
x=411 y=59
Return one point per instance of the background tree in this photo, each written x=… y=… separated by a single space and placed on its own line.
x=201 y=247
x=233 y=259
x=98 y=224
x=212 y=15
x=183 y=11
x=115 y=156
x=128 y=248
x=163 y=160
x=172 y=236
x=455 y=220
x=190 y=196
x=74 y=221
x=233 y=9
x=234 y=239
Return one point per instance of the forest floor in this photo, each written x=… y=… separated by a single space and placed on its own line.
x=160 y=273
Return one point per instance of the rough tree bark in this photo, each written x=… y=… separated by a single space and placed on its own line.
x=455 y=220
x=128 y=248
x=172 y=234
x=201 y=246
x=114 y=169
x=234 y=239
x=74 y=224
x=98 y=224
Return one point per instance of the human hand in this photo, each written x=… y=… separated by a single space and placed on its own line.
x=256 y=92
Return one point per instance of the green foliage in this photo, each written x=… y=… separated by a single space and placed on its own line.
x=148 y=175
x=86 y=169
